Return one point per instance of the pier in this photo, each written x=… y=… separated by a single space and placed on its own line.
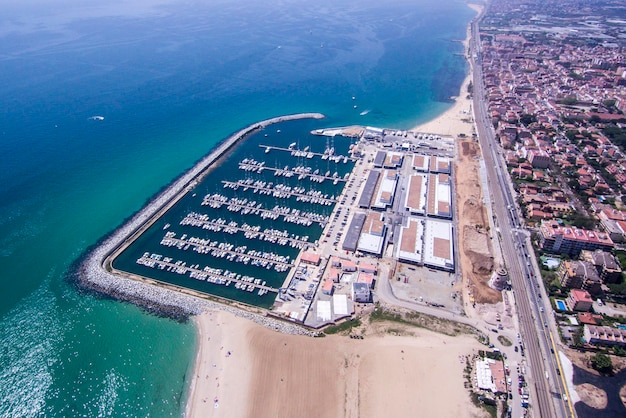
x=215 y=276
x=301 y=171
x=309 y=154
x=273 y=236
x=246 y=207
x=281 y=191
x=239 y=254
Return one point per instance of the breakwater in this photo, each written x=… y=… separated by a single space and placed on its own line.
x=96 y=271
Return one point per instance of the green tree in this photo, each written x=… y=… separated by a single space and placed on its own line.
x=569 y=100
x=602 y=363
x=526 y=119
x=608 y=103
x=619 y=351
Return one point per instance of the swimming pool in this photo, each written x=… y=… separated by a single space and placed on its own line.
x=551 y=262
x=560 y=305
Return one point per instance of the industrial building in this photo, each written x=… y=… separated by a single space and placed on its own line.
x=354 y=231
x=373 y=234
x=393 y=160
x=440 y=165
x=373 y=133
x=438 y=245
x=379 y=159
x=421 y=163
x=411 y=242
x=386 y=190
x=368 y=189
x=415 y=199
x=439 y=196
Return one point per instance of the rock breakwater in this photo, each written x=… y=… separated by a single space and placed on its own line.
x=96 y=273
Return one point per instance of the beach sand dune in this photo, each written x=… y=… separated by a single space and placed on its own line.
x=262 y=373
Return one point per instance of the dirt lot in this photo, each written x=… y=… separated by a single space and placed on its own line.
x=476 y=255
x=423 y=285
x=590 y=394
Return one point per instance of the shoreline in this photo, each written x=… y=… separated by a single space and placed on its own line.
x=221 y=338
x=459 y=118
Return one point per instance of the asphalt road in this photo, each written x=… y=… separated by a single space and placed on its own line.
x=535 y=325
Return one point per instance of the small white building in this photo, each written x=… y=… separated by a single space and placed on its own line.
x=361 y=293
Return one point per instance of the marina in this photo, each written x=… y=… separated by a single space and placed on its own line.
x=216 y=276
x=270 y=230
x=237 y=231
x=239 y=254
x=301 y=171
x=250 y=232
x=327 y=154
x=282 y=191
x=246 y=207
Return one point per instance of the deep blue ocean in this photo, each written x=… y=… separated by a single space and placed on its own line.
x=171 y=79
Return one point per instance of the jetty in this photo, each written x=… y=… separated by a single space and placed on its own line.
x=273 y=236
x=246 y=207
x=282 y=191
x=215 y=276
x=239 y=254
x=309 y=154
x=301 y=171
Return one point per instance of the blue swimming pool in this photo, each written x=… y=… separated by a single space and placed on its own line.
x=560 y=305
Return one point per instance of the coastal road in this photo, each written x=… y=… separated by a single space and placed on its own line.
x=535 y=335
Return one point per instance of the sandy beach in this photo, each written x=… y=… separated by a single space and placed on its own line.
x=246 y=370
x=459 y=119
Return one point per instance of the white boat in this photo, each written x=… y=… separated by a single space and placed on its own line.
x=293 y=144
x=267 y=149
x=96 y=117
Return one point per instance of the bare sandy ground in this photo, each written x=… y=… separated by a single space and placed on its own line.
x=456 y=120
x=268 y=374
x=223 y=367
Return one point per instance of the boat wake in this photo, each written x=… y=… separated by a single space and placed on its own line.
x=365 y=112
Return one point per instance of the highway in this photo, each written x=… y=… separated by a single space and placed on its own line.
x=535 y=324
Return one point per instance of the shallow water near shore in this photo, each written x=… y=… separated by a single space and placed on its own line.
x=171 y=80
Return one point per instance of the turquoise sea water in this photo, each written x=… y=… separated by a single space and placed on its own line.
x=171 y=78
